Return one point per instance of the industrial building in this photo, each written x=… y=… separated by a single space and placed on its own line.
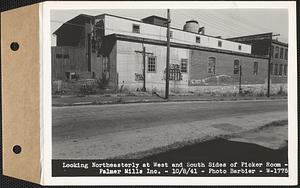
x=110 y=48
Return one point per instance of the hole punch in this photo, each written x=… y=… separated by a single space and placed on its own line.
x=17 y=149
x=14 y=46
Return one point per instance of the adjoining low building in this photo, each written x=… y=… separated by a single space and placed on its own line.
x=108 y=47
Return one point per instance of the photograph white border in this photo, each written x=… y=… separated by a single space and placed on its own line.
x=46 y=99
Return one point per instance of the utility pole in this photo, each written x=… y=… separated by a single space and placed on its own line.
x=240 y=81
x=168 y=55
x=144 y=53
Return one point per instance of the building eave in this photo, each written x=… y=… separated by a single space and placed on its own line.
x=180 y=45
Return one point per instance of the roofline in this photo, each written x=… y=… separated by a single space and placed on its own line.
x=280 y=43
x=270 y=33
x=174 y=28
x=180 y=45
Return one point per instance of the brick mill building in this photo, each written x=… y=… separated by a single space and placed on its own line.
x=109 y=47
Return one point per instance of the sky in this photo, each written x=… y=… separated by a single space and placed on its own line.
x=222 y=22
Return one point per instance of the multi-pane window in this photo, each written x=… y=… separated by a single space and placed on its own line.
x=285 y=69
x=286 y=54
x=255 y=68
x=281 y=53
x=280 y=69
x=211 y=68
x=236 y=66
x=135 y=28
x=276 y=69
x=183 y=67
x=197 y=39
x=151 y=64
x=271 y=68
x=276 y=52
x=220 y=43
x=240 y=47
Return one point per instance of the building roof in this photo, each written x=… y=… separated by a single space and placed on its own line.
x=262 y=36
x=78 y=21
x=179 y=45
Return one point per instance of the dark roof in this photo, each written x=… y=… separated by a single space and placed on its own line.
x=78 y=21
x=154 y=16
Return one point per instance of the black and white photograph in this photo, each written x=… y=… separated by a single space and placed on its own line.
x=170 y=92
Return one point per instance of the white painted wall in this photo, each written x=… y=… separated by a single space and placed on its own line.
x=115 y=25
x=129 y=62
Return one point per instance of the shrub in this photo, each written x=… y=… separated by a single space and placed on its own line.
x=87 y=89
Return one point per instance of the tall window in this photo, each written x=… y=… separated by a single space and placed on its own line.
x=286 y=54
x=276 y=69
x=276 y=52
x=281 y=53
x=271 y=68
x=240 y=47
x=220 y=43
x=151 y=64
x=285 y=69
x=236 y=66
x=197 y=39
x=255 y=68
x=272 y=51
x=280 y=69
x=183 y=67
x=135 y=28
x=211 y=65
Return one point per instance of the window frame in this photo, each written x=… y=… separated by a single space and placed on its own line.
x=286 y=54
x=240 y=47
x=280 y=70
x=276 y=69
x=220 y=44
x=281 y=53
x=149 y=66
x=276 y=52
x=255 y=68
x=198 y=39
x=184 y=61
x=285 y=69
x=236 y=70
x=211 y=69
x=136 y=25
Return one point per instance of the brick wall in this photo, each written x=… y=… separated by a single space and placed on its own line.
x=224 y=69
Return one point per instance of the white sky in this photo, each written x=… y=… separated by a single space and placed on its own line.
x=221 y=22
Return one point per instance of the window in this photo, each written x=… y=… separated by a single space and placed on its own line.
x=59 y=56
x=271 y=68
x=281 y=53
x=175 y=73
x=285 y=70
x=211 y=65
x=255 y=68
x=197 y=39
x=286 y=54
x=272 y=51
x=220 y=43
x=66 y=56
x=135 y=28
x=276 y=69
x=183 y=67
x=280 y=69
x=240 y=47
x=171 y=34
x=276 y=51
x=151 y=64
x=236 y=66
